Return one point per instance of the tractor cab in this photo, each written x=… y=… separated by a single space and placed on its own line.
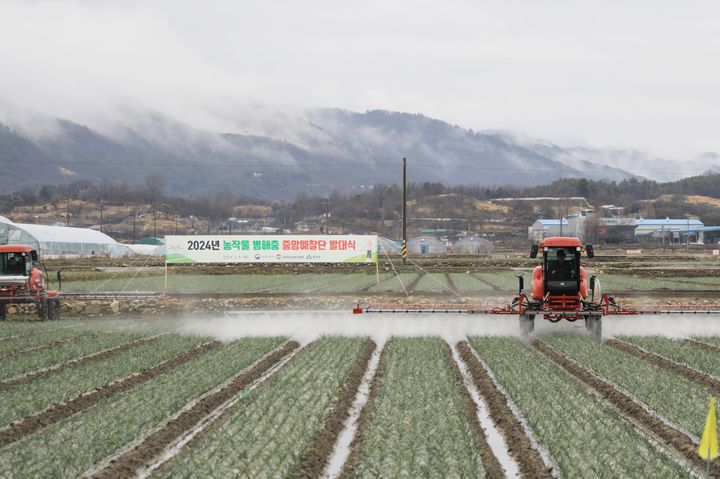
x=16 y=263
x=24 y=280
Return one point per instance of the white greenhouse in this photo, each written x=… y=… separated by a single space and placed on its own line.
x=61 y=241
x=473 y=245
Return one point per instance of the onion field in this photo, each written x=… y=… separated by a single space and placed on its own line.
x=128 y=398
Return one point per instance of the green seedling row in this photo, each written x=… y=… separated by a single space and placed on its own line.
x=417 y=426
x=76 y=444
x=267 y=432
x=584 y=436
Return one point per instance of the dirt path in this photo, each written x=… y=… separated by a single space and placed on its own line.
x=127 y=464
x=670 y=437
x=96 y=356
x=521 y=449
x=357 y=442
x=451 y=284
x=315 y=457
x=665 y=363
x=490 y=463
x=30 y=424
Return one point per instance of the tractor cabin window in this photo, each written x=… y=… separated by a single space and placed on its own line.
x=13 y=264
x=562 y=264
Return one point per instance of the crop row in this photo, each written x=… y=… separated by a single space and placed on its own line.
x=584 y=436
x=674 y=397
x=417 y=426
x=35 y=396
x=74 y=445
x=269 y=430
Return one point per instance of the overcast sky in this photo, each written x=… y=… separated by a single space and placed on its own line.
x=642 y=74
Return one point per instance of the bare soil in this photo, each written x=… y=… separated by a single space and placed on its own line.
x=527 y=457
x=665 y=363
x=669 y=436
x=59 y=411
x=357 y=443
x=490 y=462
x=316 y=456
x=127 y=464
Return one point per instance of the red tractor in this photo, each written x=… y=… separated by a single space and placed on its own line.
x=24 y=280
x=559 y=288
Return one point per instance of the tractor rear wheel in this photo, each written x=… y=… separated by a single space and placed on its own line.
x=42 y=309
x=593 y=324
x=3 y=312
x=52 y=310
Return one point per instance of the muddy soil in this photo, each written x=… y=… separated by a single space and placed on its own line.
x=316 y=455
x=127 y=464
x=357 y=443
x=490 y=463
x=665 y=363
x=97 y=356
x=670 y=437
x=59 y=411
x=521 y=449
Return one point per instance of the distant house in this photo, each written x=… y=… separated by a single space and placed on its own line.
x=543 y=228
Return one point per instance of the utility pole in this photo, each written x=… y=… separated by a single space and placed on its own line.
x=561 y=218
x=176 y=221
x=404 y=212
x=101 y=214
x=155 y=224
x=67 y=213
x=134 y=225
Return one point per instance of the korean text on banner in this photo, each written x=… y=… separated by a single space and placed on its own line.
x=271 y=249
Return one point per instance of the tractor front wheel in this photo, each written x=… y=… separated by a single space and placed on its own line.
x=53 y=309
x=3 y=312
x=593 y=324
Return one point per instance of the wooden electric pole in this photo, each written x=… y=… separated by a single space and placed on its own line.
x=404 y=212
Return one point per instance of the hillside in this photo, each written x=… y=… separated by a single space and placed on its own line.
x=322 y=151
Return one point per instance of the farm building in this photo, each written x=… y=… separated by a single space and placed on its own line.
x=671 y=229
x=61 y=241
x=542 y=229
x=473 y=245
x=426 y=245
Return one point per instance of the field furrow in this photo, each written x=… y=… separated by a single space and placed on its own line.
x=266 y=433
x=316 y=456
x=46 y=358
x=678 y=399
x=415 y=413
x=41 y=393
x=689 y=352
x=584 y=436
x=521 y=449
x=671 y=437
x=690 y=373
x=76 y=444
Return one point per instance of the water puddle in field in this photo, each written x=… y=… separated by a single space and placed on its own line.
x=306 y=326
x=342 y=447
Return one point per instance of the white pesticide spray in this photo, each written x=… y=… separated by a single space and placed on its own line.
x=310 y=325
x=306 y=326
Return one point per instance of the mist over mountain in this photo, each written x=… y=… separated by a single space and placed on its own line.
x=315 y=152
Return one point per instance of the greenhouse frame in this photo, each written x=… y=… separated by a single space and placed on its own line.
x=61 y=241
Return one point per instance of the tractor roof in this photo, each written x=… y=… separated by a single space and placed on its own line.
x=560 y=241
x=15 y=248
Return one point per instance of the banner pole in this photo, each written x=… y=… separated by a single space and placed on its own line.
x=166 y=277
x=377 y=273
